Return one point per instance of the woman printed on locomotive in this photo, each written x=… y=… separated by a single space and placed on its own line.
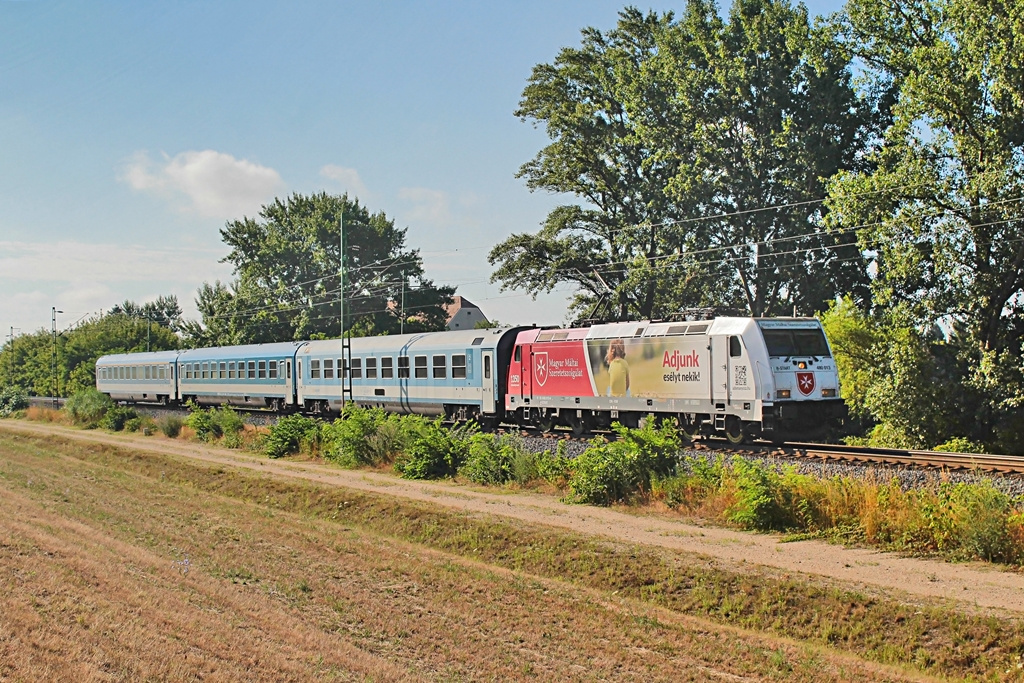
x=618 y=368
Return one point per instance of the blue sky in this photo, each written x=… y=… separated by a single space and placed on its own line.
x=131 y=131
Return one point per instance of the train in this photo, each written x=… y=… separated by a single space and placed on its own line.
x=737 y=377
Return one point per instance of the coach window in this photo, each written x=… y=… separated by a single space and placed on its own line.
x=252 y=369
x=206 y=371
x=440 y=367
x=272 y=369
x=314 y=369
x=161 y=372
x=224 y=370
x=403 y=367
x=386 y=369
x=458 y=366
x=357 y=368
x=120 y=372
x=734 y=347
x=232 y=374
x=487 y=367
x=328 y=368
x=371 y=368
x=146 y=376
x=421 y=367
x=262 y=365
x=135 y=372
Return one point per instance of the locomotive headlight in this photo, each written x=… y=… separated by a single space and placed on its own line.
x=782 y=393
x=802 y=365
x=828 y=393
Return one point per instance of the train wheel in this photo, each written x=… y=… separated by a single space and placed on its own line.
x=546 y=423
x=734 y=433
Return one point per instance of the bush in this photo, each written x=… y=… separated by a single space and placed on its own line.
x=170 y=425
x=436 y=452
x=12 y=400
x=611 y=472
x=290 y=434
x=351 y=439
x=489 y=460
x=87 y=407
x=226 y=421
x=201 y=421
x=756 y=505
x=117 y=417
x=134 y=424
x=959 y=444
x=554 y=468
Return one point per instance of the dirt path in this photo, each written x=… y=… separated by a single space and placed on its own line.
x=975 y=585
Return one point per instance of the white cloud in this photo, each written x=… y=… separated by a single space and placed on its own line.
x=427 y=206
x=207 y=182
x=348 y=179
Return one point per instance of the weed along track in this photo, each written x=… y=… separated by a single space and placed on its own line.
x=133 y=561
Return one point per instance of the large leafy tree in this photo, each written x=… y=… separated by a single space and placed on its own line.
x=941 y=204
x=287 y=276
x=675 y=135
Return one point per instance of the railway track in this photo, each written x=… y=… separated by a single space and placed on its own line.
x=1002 y=464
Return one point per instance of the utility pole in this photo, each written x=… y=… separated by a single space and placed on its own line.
x=346 y=340
x=10 y=348
x=401 y=322
x=53 y=356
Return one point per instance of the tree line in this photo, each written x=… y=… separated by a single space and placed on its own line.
x=865 y=167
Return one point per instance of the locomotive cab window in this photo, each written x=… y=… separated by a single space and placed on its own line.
x=458 y=366
x=735 y=351
x=440 y=367
x=519 y=353
x=785 y=343
x=421 y=367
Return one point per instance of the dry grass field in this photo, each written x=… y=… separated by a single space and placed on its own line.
x=117 y=564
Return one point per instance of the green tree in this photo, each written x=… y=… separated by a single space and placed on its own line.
x=674 y=135
x=938 y=207
x=286 y=283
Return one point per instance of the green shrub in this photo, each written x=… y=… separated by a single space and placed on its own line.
x=87 y=407
x=117 y=417
x=170 y=425
x=289 y=435
x=489 y=460
x=959 y=444
x=201 y=421
x=554 y=468
x=11 y=400
x=227 y=421
x=611 y=472
x=353 y=439
x=134 y=424
x=756 y=505
x=435 y=452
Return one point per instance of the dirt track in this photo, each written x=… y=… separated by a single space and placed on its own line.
x=976 y=585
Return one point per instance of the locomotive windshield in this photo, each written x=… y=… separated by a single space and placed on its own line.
x=796 y=342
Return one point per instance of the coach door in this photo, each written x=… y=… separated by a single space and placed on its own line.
x=488 y=381
x=299 y=398
x=720 y=369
